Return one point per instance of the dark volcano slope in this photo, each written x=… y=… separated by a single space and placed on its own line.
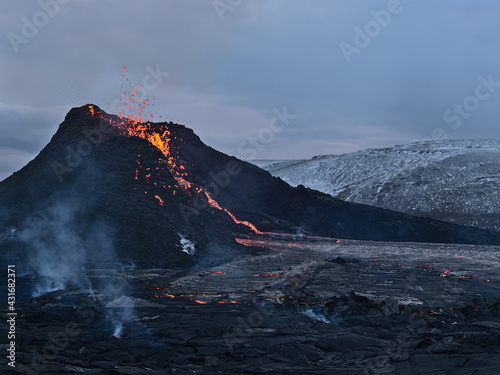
x=272 y=205
x=93 y=174
x=113 y=185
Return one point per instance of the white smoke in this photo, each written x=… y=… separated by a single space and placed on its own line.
x=119 y=312
x=319 y=317
x=61 y=248
x=187 y=246
x=56 y=253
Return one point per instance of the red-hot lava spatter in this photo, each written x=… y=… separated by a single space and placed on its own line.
x=160 y=200
x=133 y=108
x=202 y=298
x=448 y=273
x=268 y=274
x=133 y=123
x=160 y=137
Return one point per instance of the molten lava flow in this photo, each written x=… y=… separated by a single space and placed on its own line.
x=214 y=204
x=310 y=264
x=267 y=274
x=162 y=143
x=445 y=273
x=161 y=138
x=159 y=200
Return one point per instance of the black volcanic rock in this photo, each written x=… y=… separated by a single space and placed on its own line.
x=100 y=188
x=97 y=174
x=368 y=315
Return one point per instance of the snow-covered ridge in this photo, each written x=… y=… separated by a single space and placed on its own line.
x=453 y=180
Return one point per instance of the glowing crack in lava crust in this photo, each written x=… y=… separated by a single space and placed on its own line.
x=161 y=138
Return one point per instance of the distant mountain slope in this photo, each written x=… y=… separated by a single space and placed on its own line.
x=452 y=180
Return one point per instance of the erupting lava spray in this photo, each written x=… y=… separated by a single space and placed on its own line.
x=134 y=125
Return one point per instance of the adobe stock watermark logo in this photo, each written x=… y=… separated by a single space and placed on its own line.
x=249 y=148
x=364 y=36
x=459 y=112
x=40 y=19
x=223 y=6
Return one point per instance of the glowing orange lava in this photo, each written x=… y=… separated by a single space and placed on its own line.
x=267 y=274
x=445 y=273
x=134 y=125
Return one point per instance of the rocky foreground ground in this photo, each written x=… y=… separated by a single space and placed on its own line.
x=301 y=306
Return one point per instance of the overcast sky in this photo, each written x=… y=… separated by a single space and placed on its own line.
x=352 y=74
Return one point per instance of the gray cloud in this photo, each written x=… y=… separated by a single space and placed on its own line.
x=227 y=76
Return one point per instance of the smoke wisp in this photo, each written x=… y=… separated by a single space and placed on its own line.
x=61 y=251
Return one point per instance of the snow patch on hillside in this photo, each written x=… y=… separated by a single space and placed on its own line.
x=453 y=180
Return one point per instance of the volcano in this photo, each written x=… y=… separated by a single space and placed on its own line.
x=165 y=197
x=238 y=272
